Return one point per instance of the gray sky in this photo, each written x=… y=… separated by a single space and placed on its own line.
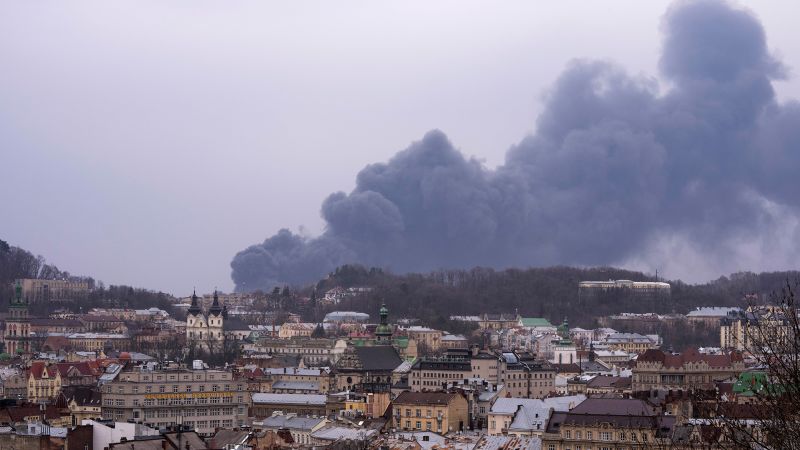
x=146 y=143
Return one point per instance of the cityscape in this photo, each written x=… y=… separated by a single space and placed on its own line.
x=623 y=277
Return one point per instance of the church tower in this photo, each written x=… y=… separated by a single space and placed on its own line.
x=18 y=331
x=215 y=318
x=383 y=332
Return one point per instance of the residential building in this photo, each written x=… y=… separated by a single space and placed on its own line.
x=746 y=330
x=429 y=338
x=710 y=315
x=656 y=369
x=605 y=423
x=606 y=384
x=524 y=376
x=632 y=342
x=454 y=341
x=441 y=412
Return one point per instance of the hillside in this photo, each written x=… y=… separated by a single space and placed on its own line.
x=542 y=292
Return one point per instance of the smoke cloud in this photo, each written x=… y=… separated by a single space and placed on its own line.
x=698 y=176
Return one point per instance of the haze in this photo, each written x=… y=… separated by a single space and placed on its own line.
x=146 y=143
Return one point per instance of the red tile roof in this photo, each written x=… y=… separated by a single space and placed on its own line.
x=691 y=355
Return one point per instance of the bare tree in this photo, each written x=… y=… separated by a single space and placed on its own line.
x=765 y=412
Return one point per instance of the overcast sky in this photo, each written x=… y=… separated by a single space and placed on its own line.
x=145 y=143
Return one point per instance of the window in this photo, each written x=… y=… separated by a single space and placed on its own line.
x=136 y=389
x=161 y=388
x=148 y=389
x=175 y=388
x=589 y=435
x=551 y=446
x=188 y=388
x=419 y=414
x=605 y=435
x=568 y=434
x=419 y=425
x=621 y=435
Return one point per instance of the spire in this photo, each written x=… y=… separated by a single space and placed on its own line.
x=383 y=332
x=215 y=309
x=195 y=308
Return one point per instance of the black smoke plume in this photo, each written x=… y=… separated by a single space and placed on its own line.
x=702 y=173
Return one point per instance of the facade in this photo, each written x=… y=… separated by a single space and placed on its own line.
x=456 y=365
x=428 y=337
x=313 y=351
x=291 y=329
x=265 y=405
x=602 y=423
x=46 y=381
x=526 y=377
x=739 y=328
x=647 y=289
x=691 y=369
x=38 y=291
x=204 y=399
x=205 y=329
x=17 y=334
x=441 y=412
x=433 y=374
x=499 y=321
x=631 y=342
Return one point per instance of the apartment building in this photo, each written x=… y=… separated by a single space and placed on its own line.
x=441 y=412
x=204 y=400
x=746 y=330
x=526 y=377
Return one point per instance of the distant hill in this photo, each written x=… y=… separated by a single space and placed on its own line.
x=16 y=262
x=550 y=292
